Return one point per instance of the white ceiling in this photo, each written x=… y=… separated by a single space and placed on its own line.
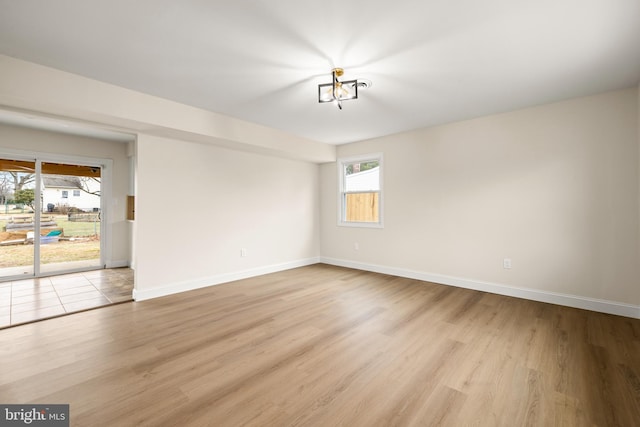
x=430 y=62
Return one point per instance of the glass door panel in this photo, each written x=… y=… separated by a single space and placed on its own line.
x=70 y=217
x=17 y=219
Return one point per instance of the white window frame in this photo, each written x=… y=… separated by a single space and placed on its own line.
x=341 y=166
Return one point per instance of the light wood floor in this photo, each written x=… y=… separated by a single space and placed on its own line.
x=328 y=346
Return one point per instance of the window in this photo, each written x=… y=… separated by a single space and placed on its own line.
x=76 y=193
x=360 y=180
x=65 y=194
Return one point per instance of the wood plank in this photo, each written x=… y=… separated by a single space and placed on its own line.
x=324 y=345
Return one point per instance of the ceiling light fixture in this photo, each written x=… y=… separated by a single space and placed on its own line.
x=338 y=91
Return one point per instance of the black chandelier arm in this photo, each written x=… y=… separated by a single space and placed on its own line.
x=340 y=91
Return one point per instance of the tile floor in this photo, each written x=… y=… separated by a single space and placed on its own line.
x=27 y=300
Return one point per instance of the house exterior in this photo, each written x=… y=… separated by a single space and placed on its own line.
x=63 y=190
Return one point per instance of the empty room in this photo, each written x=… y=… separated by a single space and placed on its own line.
x=320 y=214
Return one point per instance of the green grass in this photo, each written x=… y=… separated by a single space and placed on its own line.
x=77 y=229
x=63 y=251
x=20 y=255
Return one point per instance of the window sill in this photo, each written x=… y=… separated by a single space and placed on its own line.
x=361 y=224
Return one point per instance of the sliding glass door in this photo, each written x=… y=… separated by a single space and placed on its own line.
x=51 y=218
x=70 y=217
x=17 y=198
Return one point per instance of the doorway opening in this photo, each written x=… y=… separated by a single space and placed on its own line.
x=52 y=241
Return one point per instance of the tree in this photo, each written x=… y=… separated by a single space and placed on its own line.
x=25 y=197
x=12 y=181
x=88 y=184
x=20 y=179
x=361 y=167
x=5 y=188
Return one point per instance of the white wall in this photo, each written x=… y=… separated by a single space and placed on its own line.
x=225 y=200
x=555 y=188
x=31 y=140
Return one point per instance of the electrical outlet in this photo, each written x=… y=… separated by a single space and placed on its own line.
x=356 y=246
x=506 y=263
x=243 y=252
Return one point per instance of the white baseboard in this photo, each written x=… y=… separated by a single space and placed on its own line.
x=174 y=288
x=603 y=306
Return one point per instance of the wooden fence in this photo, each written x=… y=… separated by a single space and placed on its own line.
x=362 y=207
x=84 y=217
